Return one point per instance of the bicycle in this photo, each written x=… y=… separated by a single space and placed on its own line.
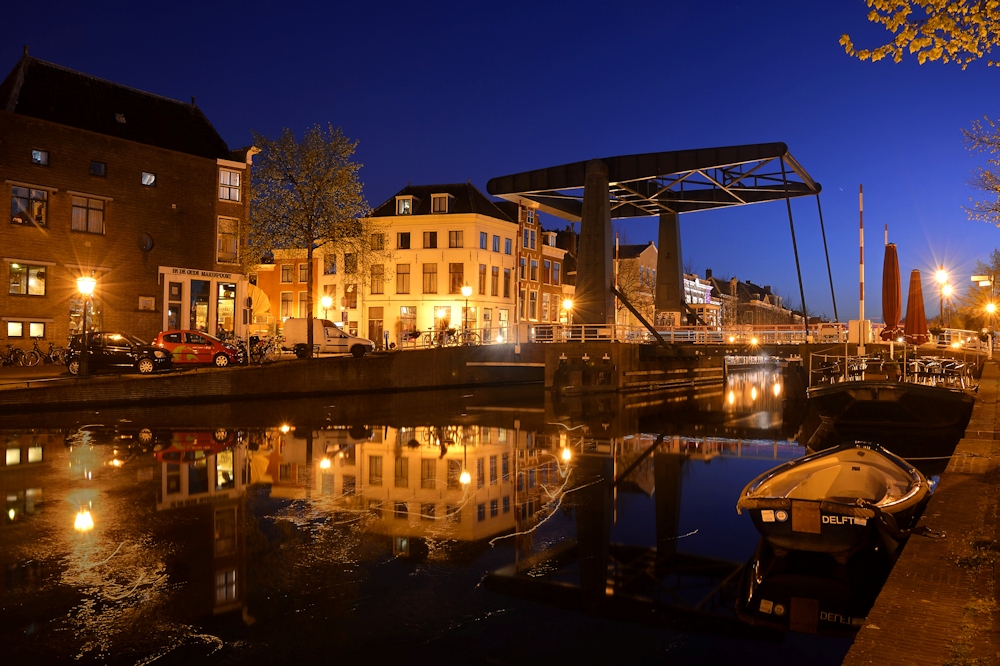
x=54 y=356
x=468 y=337
x=14 y=356
x=265 y=349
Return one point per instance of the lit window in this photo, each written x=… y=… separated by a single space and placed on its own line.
x=13 y=456
x=15 y=329
x=28 y=206
x=455 y=239
x=148 y=179
x=228 y=240
x=404 y=205
x=98 y=169
x=225 y=586
x=88 y=215
x=378 y=279
x=286 y=305
x=430 y=240
x=27 y=280
x=40 y=157
x=303 y=272
x=402 y=278
x=229 y=185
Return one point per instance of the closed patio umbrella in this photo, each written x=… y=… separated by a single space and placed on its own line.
x=892 y=302
x=915 y=329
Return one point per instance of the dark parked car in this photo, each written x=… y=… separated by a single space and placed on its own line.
x=116 y=351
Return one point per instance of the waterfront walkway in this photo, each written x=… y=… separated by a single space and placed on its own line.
x=939 y=605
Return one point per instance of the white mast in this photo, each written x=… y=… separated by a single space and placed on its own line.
x=861 y=315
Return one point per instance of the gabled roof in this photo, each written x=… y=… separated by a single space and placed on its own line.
x=45 y=91
x=467 y=199
x=632 y=251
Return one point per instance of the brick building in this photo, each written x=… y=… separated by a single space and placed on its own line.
x=136 y=190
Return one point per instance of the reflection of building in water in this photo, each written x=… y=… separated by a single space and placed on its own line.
x=22 y=451
x=205 y=473
x=755 y=394
x=409 y=480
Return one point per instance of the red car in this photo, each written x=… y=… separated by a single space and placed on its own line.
x=197 y=348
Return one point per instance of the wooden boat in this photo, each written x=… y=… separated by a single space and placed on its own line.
x=837 y=501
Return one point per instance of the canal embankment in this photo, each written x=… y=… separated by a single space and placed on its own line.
x=940 y=605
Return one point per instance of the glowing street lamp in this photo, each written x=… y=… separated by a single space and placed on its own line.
x=85 y=284
x=327 y=303
x=466 y=291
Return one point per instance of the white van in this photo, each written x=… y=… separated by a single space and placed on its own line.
x=327 y=338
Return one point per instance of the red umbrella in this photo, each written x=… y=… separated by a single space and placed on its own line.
x=915 y=329
x=892 y=303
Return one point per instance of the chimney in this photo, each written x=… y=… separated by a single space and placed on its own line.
x=708 y=273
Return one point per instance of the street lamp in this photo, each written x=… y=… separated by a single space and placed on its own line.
x=466 y=291
x=327 y=303
x=942 y=280
x=85 y=285
x=946 y=292
x=568 y=308
x=991 y=309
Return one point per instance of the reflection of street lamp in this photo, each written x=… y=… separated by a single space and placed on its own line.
x=327 y=303
x=466 y=291
x=465 y=478
x=85 y=285
x=84 y=522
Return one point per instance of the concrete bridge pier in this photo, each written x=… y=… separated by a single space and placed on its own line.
x=669 y=273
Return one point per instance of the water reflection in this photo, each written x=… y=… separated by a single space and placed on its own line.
x=270 y=529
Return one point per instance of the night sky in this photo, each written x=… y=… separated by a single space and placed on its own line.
x=440 y=92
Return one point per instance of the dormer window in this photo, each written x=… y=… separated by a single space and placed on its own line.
x=441 y=203
x=404 y=205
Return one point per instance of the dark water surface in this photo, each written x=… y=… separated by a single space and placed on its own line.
x=325 y=530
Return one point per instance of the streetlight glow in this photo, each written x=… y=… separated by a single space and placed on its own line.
x=84 y=522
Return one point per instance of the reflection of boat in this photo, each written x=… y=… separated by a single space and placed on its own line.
x=836 y=501
x=810 y=592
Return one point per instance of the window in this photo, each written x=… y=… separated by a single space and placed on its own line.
x=506 y=503
x=533 y=305
x=506 y=283
x=521 y=302
x=546 y=271
x=286 y=305
x=493 y=508
x=440 y=203
x=480 y=473
x=555 y=272
x=378 y=242
x=506 y=246
x=402 y=472
x=303 y=304
x=493 y=470
x=28 y=206
x=454 y=513
x=88 y=215
x=530 y=216
x=228 y=240
x=399 y=510
x=404 y=205
x=427 y=511
x=148 y=179
x=303 y=272
x=403 y=240
x=375 y=470
x=480 y=512
x=483 y=239
x=15 y=329
x=350 y=485
x=229 y=185
x=495 y=281
x=40 y=157
x=350 y=263
x=454 y=475
x=330 y=264
x=534 y=270
x=225 y=586
x=523 y=272
x=430 y=278
x=546 y=299
x=350 y=297
x=430 y=240
x=532 y=239
x=27 y=280
x=496 y=243
x=524 y=241
x=402 y=278
x=428 y=473
x=482 y=279
x=456 y=278
x=378 y=279
x=505 y=466
x=455 y=238
x=98 y=169
x=286 y=273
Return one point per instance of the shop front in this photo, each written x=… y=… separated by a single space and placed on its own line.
x=209 y=301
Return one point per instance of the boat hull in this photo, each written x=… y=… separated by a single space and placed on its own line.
x=837 y=501
x=855 y=406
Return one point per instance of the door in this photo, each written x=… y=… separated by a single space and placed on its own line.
x=199 y=347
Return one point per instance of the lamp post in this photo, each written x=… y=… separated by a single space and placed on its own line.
x=946 y=292
x=987 y=281
x=991 y=309
x=466 y=291
x=568 y=308
x=85 y=285
x=942 y=279
x=327 y=303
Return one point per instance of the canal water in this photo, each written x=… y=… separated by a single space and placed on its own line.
x=499 y=526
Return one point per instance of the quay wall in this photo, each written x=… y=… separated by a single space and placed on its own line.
x=495 y=365
x=939 y=605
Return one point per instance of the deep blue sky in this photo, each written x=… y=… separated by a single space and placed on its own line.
x=452 y=91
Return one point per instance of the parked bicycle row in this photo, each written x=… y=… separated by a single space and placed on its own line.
x=31 y=357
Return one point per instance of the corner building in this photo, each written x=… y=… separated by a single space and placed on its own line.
x=136 y=190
